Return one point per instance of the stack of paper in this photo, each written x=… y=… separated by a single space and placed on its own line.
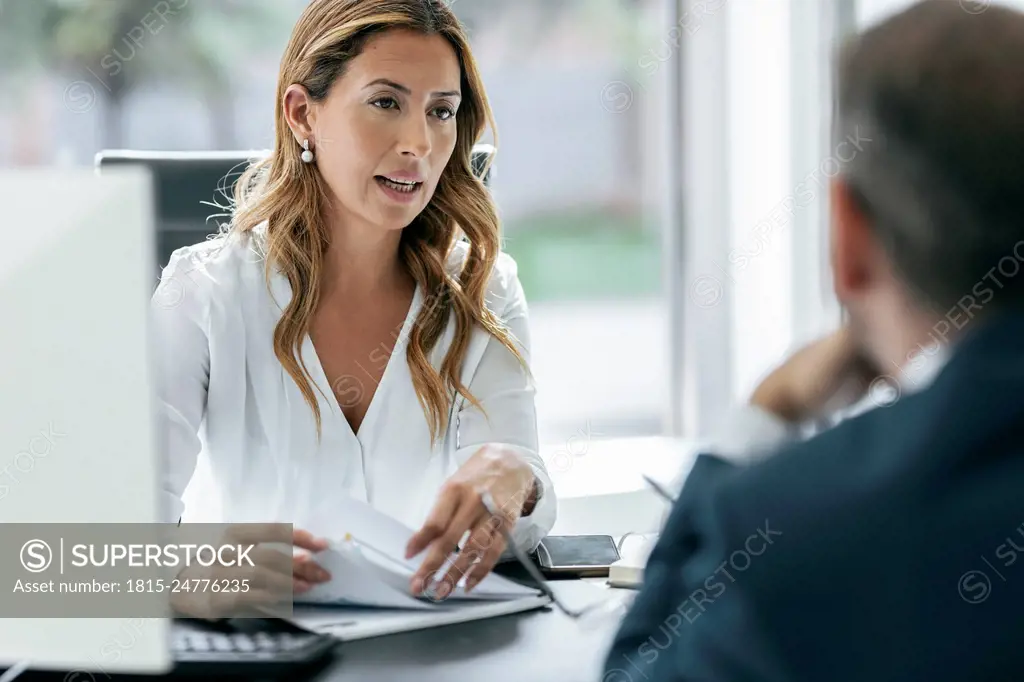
x=370 y=570
x=349 y=623
x=369 y=593
x=362 y=578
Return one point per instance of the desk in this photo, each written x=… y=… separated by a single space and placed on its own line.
x=600 y=490
x=536 y=646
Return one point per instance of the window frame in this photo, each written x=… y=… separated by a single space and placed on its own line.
x=702 y=338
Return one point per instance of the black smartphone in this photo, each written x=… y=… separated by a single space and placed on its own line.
x=583 y=556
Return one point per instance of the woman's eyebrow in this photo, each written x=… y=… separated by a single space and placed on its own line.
x=406 y=91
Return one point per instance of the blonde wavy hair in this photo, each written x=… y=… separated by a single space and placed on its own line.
x=288 y=196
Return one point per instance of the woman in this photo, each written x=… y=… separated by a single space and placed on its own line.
x=356 y=332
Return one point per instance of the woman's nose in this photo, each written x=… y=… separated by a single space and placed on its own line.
x=415 y=138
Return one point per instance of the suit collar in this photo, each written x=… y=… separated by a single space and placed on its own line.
x=993 y=342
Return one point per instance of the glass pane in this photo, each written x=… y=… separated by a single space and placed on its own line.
x=571 y=166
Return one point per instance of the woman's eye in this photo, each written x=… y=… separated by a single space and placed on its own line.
x=385 y=103
x=444 y=113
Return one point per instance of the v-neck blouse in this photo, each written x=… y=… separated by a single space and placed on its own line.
x=223 y=395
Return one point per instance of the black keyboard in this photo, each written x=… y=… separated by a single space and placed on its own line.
x=239 y=649
x=243 y=650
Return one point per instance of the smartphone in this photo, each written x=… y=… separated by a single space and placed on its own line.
x=582 y=556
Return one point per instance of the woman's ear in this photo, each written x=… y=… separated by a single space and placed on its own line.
x=298 y=112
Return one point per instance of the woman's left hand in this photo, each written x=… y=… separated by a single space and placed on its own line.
x=459 y=508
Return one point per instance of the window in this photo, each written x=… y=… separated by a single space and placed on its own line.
x=666 y=263
x=576 y=175
x=756 y=112
x=575 y=185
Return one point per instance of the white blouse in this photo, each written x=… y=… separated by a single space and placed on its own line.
x=222 y=394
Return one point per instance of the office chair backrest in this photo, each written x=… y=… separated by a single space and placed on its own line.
x=190 y=185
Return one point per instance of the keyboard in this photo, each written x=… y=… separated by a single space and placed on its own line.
x=245 y=651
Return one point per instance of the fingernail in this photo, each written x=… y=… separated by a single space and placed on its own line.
x=444 y=589
x=302 y=586
x=323 y=575
x=417 y=585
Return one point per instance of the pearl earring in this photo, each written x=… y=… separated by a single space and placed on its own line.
x=307 y=156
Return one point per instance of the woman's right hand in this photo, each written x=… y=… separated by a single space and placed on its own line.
x=306 y=573
x=268 y=584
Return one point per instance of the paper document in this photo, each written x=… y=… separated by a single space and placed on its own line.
x=370 y=569
x=353 y=582
x=352 y=623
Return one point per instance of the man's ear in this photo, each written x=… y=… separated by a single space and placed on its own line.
x=852 y=243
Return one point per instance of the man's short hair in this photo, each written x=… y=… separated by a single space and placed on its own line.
x=938 y=89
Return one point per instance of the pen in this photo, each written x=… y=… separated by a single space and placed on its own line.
x=359 y=544
x=660 y=489
x=538 y=577
x=15 y=670
x=428 y=591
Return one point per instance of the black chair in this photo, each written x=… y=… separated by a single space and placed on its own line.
x=188 y=187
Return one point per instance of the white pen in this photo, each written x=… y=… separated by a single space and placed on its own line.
x=428 y=590
x=359 y=544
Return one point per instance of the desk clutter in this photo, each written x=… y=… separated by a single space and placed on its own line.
x=369 y=591
x=628 y=571
x=368 y=595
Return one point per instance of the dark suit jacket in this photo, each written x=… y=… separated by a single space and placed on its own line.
x=890 y=547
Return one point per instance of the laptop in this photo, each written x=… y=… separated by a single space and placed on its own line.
x=78 y=441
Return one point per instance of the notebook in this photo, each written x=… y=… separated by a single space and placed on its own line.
x=629 y=570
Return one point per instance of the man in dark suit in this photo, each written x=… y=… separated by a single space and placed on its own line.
x=890 y=547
